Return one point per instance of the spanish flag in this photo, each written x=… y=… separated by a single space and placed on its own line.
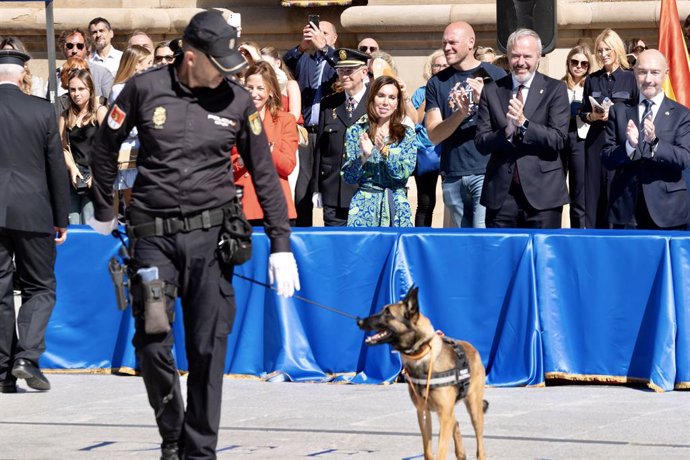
x=672 y=45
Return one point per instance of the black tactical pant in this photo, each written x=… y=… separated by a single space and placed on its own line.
x=188 y=260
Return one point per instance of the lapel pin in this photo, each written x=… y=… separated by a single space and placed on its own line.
x=541 y=91
x=667 y=114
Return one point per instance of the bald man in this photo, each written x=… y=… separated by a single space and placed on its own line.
x=368 y=45
x=312 y=63
x=648 y=146
x=451 y=121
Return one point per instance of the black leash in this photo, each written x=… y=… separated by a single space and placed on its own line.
x=118 y=234
x=296 y=296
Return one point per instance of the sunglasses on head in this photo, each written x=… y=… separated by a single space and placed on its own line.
x=583 y=64
x=367 y=49
x=639 y=48
x=80 y=46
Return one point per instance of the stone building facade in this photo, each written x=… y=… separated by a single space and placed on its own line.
x=408 y=29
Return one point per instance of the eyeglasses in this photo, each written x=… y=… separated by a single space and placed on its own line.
x=439 y=66
x=166 y=57
x=346 y=70
x=576 y=63
x=368 y=49
x=80 y=46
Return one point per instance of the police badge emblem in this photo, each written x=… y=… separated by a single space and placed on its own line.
x=255 y=123
x=116 y=118
x=342 y=55
x=160 y=115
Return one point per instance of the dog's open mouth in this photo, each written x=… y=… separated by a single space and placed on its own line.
x=379 y=337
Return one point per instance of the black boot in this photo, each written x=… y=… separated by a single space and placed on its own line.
x=170 y=451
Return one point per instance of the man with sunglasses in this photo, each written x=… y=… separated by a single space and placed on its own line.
x=163 y=54
x=368 y=45
x=73 y=43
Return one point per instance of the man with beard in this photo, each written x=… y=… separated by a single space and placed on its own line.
x=104 y=53
x=452 y=96
x=523 y=126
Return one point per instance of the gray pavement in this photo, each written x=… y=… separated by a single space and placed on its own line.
x=107 y=417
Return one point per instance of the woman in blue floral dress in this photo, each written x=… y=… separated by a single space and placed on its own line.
x=380 y=156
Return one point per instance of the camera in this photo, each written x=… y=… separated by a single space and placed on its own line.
x=81 y=185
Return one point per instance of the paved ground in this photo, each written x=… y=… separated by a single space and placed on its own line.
x=107 y=417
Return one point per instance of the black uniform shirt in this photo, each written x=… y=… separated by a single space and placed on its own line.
x=185 y=139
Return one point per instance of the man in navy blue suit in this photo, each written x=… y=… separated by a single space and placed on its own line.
x=523 y=124
x=648 y=147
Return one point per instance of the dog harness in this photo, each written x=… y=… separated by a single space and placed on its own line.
x=458 y=376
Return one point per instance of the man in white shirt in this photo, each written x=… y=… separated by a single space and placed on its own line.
x=103 y=52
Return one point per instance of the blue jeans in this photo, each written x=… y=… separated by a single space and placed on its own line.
x=461 y=196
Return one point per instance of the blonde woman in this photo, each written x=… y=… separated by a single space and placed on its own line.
x=135 y=59
x=614 y=82
x=78 y=125
x=577 y=66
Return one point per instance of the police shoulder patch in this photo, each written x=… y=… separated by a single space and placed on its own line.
x=116 y=118
x=255 y=123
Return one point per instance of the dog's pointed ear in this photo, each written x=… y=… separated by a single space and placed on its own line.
x=411 y=302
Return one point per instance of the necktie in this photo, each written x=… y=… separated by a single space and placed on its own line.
x=350 y=106
x=646 y=113
x=316 y=85
x=519 y=94
x=516 y=174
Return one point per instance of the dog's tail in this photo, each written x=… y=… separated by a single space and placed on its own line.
x=485 y=405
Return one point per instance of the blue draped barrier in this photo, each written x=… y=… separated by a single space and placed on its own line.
x=581 y=305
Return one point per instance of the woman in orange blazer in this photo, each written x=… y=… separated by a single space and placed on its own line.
x=281 y=131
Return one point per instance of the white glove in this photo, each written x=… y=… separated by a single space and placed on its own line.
x=317 y=200
x=282 y=268
x=104 y=228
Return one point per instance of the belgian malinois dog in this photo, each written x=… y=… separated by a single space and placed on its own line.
x=430 y=362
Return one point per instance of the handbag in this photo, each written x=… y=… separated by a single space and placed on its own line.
x=428 y=154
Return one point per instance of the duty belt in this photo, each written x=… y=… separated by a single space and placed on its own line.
x=140 y=224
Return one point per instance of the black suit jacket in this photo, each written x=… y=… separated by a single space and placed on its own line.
x=537 y=154
x=661 y=176
x=34 y=185
x=330 y=149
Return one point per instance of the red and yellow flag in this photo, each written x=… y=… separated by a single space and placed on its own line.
x=672 y=45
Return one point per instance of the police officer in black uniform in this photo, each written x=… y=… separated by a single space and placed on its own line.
x=189 y=115
x=34 y=203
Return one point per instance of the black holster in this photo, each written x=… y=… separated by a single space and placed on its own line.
x=235 y=242
x=150 y=302
x=117 y=273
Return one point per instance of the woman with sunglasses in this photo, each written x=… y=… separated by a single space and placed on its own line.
x=163 y=54
x=426 y=172
x=577 y=65
x=614 y=82
x=380 y=156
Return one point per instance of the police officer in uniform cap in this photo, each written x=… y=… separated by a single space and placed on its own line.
x=338 y=112
x=189 y=116
x=34 y=204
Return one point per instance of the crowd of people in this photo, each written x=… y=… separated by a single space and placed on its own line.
x=326 y=90
x=191 y=142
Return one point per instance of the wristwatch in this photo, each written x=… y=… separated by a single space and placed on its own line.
x=524 y=126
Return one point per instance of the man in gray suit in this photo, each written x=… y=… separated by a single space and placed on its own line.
x=34 y=203
x=73 y=43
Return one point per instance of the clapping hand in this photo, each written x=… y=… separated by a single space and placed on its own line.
x=366 y=146
x=632 y=133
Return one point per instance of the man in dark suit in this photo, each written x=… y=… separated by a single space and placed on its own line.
x=338 y=112
x=523 y=124
x=648 y=147
x=34 y=203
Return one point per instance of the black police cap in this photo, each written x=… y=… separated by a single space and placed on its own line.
x=13 y=57
x=350 y=58
x=210 y=33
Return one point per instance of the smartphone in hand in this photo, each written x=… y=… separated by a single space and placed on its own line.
x=314 y=18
